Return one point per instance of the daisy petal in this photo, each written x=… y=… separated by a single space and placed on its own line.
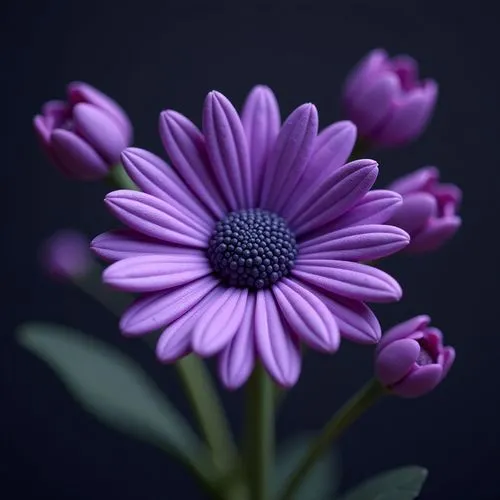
x=376 y=207
x=331 y=150
x=185 y=146
x=356 y=243
x=237 y=360
x=278 y=350
x=219 y=323
x=159 y=309
x=349 y=279
x=175 y=341
x=227 y=149
x=338 y=193
x=155 y=218
x=152 y=273
x=307 y=316
x=261 y=122
x=289 y=157
x=356 y=320
x=123 y=243
x=155 y=177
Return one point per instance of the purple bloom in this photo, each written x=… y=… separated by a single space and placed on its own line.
x=429 y=209
x=66 y=255
x=410 y=359
x=251 y=243
x=386 y=100
x=84 y=136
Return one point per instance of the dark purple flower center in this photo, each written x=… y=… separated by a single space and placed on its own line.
x=252 y=249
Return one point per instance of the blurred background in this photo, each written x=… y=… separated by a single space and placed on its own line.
x=151 y=55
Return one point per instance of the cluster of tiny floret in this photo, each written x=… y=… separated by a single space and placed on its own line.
x=252 y=249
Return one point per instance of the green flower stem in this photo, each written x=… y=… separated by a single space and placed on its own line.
x=118 y=178
x=344 y=417
x=91 y=284
x=208 y=411
x=194 y=374
x=259 y=434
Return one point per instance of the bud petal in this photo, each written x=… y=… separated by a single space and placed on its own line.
x=79 y=160
x=411 y=360
x=386 y=100
x=100 y=131
x=428 y=211
x=84 y=136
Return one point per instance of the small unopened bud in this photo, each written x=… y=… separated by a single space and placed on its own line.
x=411 y=360
x=85 y=135
x=429 y=209
x=66 y=255
x=387 y=101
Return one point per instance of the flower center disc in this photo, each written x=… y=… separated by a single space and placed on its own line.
x=252 y=249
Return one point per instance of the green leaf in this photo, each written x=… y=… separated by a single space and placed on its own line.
x=403 y=483
x=114 y=389
x=323 y=479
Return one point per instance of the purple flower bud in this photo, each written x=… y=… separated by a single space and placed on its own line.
x=429 y=209
x=411 y=360
x=84 y=136
x=66 y=255
x=386 y=100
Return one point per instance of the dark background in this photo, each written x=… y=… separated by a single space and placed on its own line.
x=150 y=55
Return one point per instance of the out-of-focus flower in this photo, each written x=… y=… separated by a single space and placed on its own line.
x=84 y=136
x=410 y=360
x=429 y=209
x=66 y=255
x=252 y=243
x=386 y=100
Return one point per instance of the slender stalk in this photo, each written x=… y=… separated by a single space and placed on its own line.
x=200 y=391
x=91 y=284
x=197 y=382
x=205 y=403
x=118 y=179
x=259 y=434
x=344 y=417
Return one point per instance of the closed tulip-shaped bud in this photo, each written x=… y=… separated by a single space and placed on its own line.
x=85 y=135
x=387 y=101
x=66 y=255
x=429 y=209
x=411 y=360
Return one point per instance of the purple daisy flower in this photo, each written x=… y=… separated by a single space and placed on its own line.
x=251 y=244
